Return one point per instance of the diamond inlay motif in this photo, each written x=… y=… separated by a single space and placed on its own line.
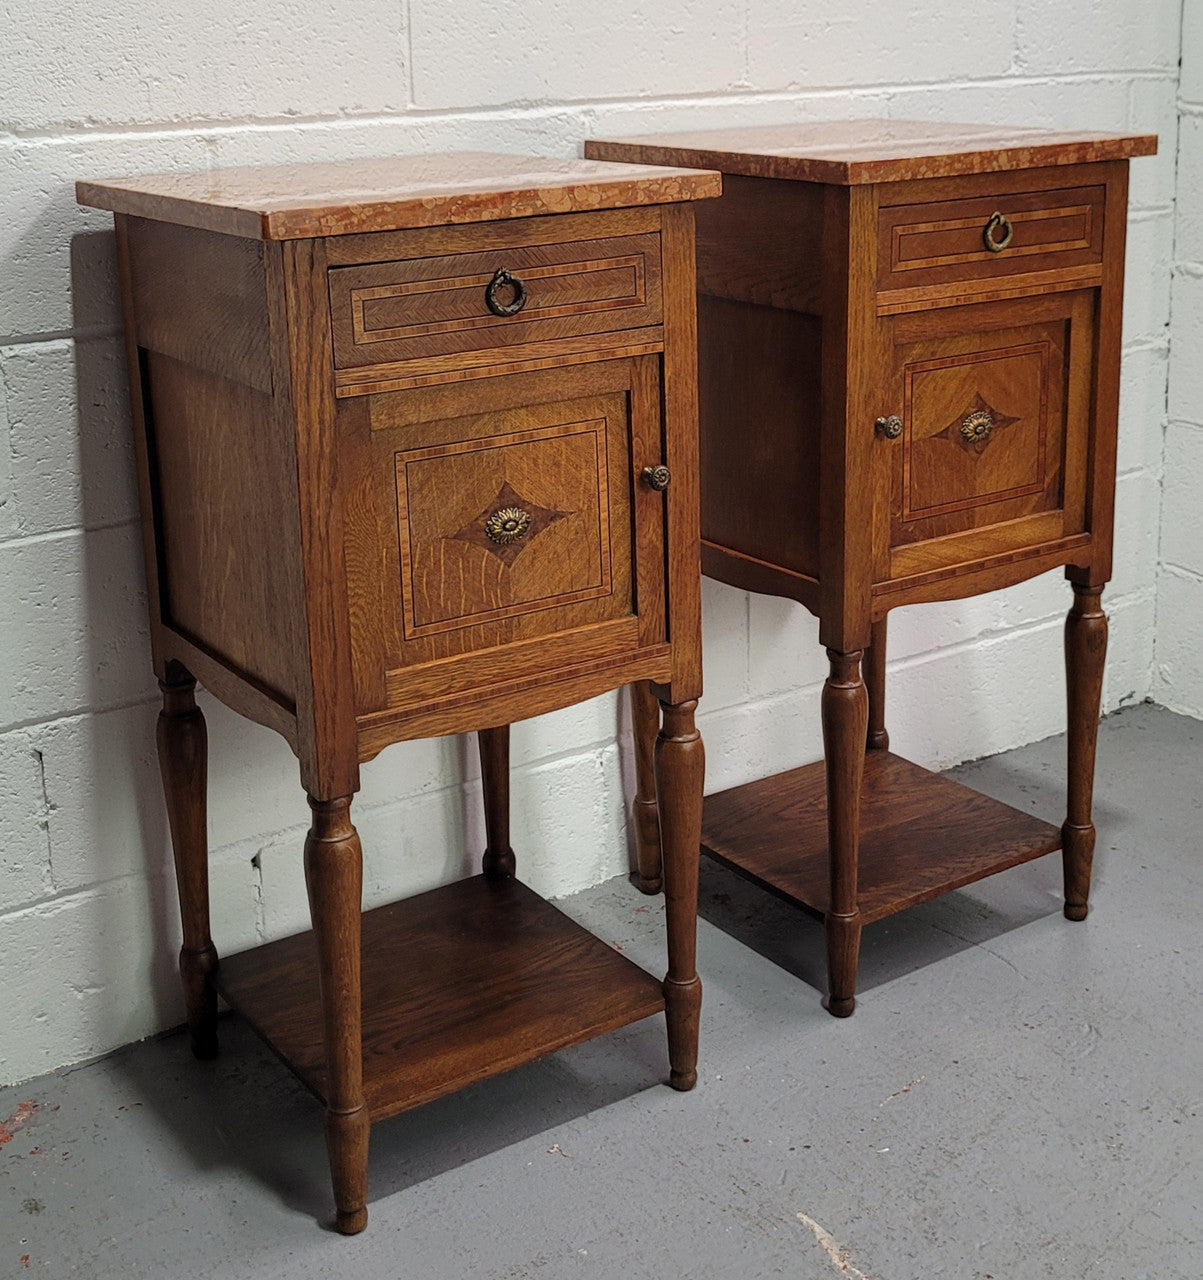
x=976 y=426
x=476 y=530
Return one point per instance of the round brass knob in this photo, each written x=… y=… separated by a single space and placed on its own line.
x=890 y=427
x=507 y=525
x=997 y=232
x=977 y=426
x=656 y=477
x=504 y=279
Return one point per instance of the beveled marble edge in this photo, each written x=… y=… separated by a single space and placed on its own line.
x=852 y=152
x=291 y=202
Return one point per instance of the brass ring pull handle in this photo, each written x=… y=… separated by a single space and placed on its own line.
x=507 y=525
x=997 y=223
x=656 y=477
x=890 y=427
x=504 y=279
x=977 y=426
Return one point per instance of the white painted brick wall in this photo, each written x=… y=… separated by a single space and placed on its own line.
x=88 y=928
x=1178 y=674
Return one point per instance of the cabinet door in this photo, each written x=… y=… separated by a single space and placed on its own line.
x=996 y=416
x=498 y=533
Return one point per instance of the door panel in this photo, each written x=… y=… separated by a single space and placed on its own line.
x=477 y=541
x=995 y=408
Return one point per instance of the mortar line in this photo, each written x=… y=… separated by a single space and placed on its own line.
x=79 y=713
x=67 y=131
x=1154 y=663
x=59 y=535
x=84 y=333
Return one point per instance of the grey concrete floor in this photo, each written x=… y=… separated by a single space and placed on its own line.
x=1016 y=1097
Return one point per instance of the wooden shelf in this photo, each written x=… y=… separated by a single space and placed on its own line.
x=459 y=984
x=921 y=835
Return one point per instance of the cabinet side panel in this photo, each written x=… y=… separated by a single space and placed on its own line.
x=201 y=298
x=759 y=374
x=759 y=242
x=229 y=569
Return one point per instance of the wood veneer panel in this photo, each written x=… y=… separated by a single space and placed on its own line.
x=921 y=835
x=759 y=372
x=921 y=245
x=201 y=298
x=229 y=536
x=757 y=243
x=459 y=984
x=419 y=308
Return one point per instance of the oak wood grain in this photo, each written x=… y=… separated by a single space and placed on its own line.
x=201 y=298
x=494 y=747
x=459 y=984
x=183 y=748
x=1085 y=654
x=894 y=411
x=921 y=835
x=423 y=307
x=647 y=875
x=452 y=532
x=921 y=245
x=680 y=765
x=334 y=880
x=227 y=501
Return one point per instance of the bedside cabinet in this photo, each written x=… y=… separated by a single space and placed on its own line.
x=417 y=454
x=909 y=348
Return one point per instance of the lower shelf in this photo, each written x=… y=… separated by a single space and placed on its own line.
x=459 y=984
x=921 y=835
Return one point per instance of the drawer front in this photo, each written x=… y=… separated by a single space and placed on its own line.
x=994 y=402
x=500 y=543
x=436 y=306
x=947 y=241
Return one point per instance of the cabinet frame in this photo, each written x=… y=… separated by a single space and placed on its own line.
x=834 y=249
x=259 y=485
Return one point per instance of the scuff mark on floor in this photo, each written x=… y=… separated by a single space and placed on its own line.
x=23 y=1113
x=839 y=1254
x=906 y=1088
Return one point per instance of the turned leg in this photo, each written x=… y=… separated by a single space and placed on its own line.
x=334 y=878
x=183 y=758
x=875 y=681
x=680 y=764
x=1085 y=651
x=645 y=715
x=494 y=744
x=845 y=725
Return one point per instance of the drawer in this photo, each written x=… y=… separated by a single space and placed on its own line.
x=388 y=312
x=921 y=245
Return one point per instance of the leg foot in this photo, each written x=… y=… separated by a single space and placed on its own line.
x=347 y=1145
x=843 y=953
x=1085 y=653
x=334 y=878
x=494 y=745
x=183 y=748
x=683 y=1015
x=680 y=764
x=875 y=683
x=647 y=876
x=845 y=707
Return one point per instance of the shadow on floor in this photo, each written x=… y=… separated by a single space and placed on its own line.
x=246 y=1112
x=922 y=935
